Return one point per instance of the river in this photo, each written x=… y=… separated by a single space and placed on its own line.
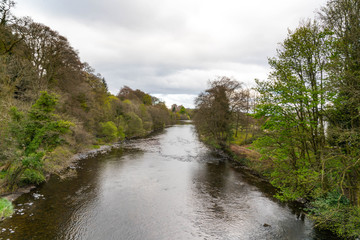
x=165 y=187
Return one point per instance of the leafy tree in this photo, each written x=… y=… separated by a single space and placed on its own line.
x=147 y=99
x=342 y=17
x=182 y=110
x=213 y=115
x=109 y=131
x=293 y=102
x=134 y=126
x=36 y=133
x=160 y=116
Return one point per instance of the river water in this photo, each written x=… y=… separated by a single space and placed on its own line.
x=165 y=187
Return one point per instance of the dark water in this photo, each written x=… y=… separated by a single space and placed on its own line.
x=169 y=186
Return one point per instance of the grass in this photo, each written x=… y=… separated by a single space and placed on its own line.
x=6 y=208
x=240 y=139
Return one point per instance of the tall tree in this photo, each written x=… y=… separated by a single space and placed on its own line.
x=293 y=102
x=342 y=17
x=214 y=109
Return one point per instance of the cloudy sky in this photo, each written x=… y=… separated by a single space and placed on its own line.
x=172 y=48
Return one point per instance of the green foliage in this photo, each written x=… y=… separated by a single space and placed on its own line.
x=33 y=176
x=214 y=111
x=109 y=131
x=36 y=133
x=242 y=138
x=43 y=107
x=6 y=208
x=292 y=102
x=121 y=133
x=145 y=117
x=39 y=130
x=33 y=160
x=147 y=100
x=134 y=126
x=160 y=116
x=334 y=212
x=182 y=110
x=315 y=83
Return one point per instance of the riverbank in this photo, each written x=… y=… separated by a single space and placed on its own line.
x=168 y=181
x=103 y=149
x=70 y=161
x=252 y=161
x=70 y=164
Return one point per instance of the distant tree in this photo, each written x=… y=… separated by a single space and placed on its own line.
x=182 y=110
x=213 y=116
x=134 y=127
x=146 y=99
x=160 y=116
x=109 y=131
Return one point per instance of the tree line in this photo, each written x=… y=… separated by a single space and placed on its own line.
x=53 y=105
x=309 y=113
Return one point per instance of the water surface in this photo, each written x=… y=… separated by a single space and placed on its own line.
x=168 y=186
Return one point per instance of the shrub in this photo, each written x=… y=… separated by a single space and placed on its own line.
x=109 y=131
x=334 y=212
x=33 y=176
x=134 y=125
x=6 y=208
x=57 y=159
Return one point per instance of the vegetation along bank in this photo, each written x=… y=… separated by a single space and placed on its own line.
x=303 y=121
x=53 y=105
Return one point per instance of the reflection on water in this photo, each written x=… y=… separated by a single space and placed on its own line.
x=168 y=186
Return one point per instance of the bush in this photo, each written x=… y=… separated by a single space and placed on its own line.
x=80 y=137
x=33 y=176
x=120 y=133
x=134 y=125
x=109 y=131
x=57 y=159
x=6 y=208
x=334 y=212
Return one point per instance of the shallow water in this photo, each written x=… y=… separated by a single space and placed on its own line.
x=168 y=186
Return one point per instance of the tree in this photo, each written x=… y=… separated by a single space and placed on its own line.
x=134 y=127
x=109 y=131
x=241 y=107
x=342 y=17
x=292 y=101
x=5 y=14
x=36 y=133
x=214 y=110
x=8 y=40
x=57 y=64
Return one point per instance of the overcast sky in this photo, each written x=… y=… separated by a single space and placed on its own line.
x=171 y=48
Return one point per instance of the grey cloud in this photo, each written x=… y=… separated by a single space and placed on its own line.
x=134 y=14
x=172 y=47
